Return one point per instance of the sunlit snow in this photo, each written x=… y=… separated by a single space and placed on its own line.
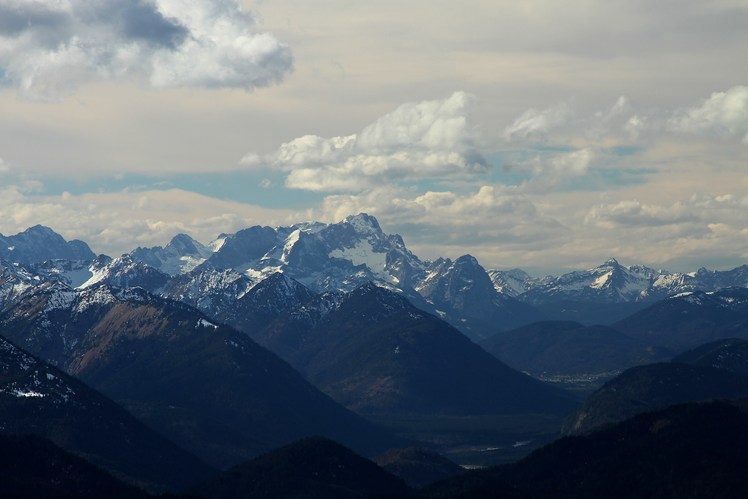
x=204 y=323
x=363 y=253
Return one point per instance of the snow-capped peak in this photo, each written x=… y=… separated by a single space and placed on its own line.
x=181 y=255
x=364 y=224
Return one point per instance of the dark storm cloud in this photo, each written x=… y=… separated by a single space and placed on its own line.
x=136 y=20
x=19 y=18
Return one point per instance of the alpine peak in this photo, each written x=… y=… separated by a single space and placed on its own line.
x=364 y=223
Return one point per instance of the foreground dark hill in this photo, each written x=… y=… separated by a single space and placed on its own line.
x=375 y=353
x=685 y=451
x=313 y=468
x=567 y=348
x=418 y=467
x=651 y=387
x=208 y=387
x=36 y=398
x=690 y=319
x=32 y=467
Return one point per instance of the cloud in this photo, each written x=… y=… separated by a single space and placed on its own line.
x=564 y=122
x=549 y=169
x=723 y=114
x=48 y=49
x=633 y=213
x=455 y=222
x=424 y=140
x=699 y=211
x=702 y=228
x=534 y=124
x=506 y=227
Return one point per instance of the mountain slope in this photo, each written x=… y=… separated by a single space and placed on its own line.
x=566 y=348
x=37 y=398
x=730 y=355
x=463 y=294
x=376 y=353
x=15 y=280
x=690 y=319
x=206 y=386
x=646 y=388
x=271 y=298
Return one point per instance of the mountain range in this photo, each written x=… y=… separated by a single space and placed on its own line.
x=223 y=280
x=272 y=334
x=342 y=256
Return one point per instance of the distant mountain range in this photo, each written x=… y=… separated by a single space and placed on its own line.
x=223 y=280
x=342 y=256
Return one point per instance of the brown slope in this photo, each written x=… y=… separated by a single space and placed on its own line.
x=205 y=386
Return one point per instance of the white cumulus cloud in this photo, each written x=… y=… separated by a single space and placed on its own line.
x=487 y=217
x=48 y=49
x=533 y=124
x=722 y=114
x=429 y=139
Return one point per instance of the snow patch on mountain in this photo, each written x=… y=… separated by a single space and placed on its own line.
x=206 y=323
x=96 y=275
x=178 y=265
x=217 y=243
x=36 y=380
x=602 y=280
x=289 y=244
x=60 y=298
x=364 y=254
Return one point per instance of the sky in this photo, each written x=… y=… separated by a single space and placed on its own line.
x=539 y=134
